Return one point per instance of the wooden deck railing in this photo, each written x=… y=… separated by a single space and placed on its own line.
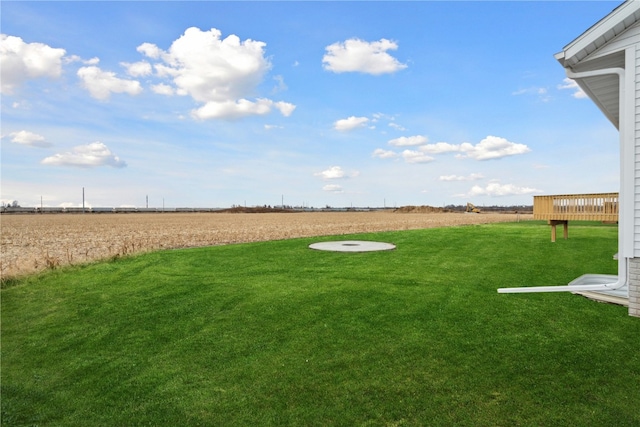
x=559 y=209
x=580 y=207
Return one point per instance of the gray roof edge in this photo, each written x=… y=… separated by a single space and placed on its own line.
x=560 y=57
x=600 y=30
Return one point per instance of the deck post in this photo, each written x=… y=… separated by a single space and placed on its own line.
x=565 y=224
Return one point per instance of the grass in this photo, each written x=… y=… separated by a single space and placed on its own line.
x=274 y=333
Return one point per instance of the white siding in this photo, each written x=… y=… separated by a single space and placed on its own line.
x=621 y=42
x=636 y=195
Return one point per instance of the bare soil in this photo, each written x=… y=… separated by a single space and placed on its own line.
x=33 y=242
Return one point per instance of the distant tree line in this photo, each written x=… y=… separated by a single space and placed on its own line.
x=12 y=204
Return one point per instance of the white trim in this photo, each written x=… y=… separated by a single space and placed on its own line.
x=627 y=156
x=629 y=37
x=635 y=164
x=599 y=34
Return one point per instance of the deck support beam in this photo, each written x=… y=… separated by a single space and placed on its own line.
x=565 y=225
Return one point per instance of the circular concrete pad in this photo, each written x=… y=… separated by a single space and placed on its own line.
x=352 y=246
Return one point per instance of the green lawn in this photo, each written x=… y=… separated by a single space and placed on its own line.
x=274 y=333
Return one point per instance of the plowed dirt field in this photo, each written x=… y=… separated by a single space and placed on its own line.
x=33 y=242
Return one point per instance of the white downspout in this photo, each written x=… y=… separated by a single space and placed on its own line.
x=622 y=235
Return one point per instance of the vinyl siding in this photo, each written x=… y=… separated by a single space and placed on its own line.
x=621 y=42
x=636 y=193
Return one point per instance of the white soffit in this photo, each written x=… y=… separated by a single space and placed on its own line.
x=605 y=30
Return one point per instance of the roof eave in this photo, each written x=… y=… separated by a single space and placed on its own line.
x=616 y=22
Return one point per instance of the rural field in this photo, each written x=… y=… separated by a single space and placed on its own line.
x=32 y=242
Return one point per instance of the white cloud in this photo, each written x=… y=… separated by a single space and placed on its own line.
x=541 y=92
x=220 y=73
x=492 y=147
x=496 y=189
x=86 y=156
x=350 y=123
x=75 y=58
x=280 y=84
x=21 y=61
x=472 y=177
x=163 y=89
x=21 y=105
x=71 y=58
x=405 y=141
x=241 y=108
x=384 y=154
x=411 y=156
x=150 y=50
x=209 y=68
x=541 y=166
x=380 y=116
x=285 y=108
x=355 y=55
x=397 y=126
x=334 y=172
x=31 y=139
x=451 y=178
x=440 y=148
x=571 y=84
x=101 y=84
x=138 y=69
x=333 y=188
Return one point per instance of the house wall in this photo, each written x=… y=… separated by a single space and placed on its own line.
x=629 y=43
x=636 y=193
x=614 y=42
x=634 y=287
x=622 y=41
x=634 y=263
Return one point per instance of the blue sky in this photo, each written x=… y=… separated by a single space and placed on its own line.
x=210 y=104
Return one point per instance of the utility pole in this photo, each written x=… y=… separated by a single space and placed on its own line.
x=147 y=201
x=82 y=199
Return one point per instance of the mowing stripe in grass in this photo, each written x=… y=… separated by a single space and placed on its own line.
x=274 y=333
